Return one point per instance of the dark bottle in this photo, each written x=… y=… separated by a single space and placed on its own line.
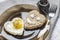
x=43 y=5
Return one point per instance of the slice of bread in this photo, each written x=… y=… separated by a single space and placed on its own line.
x=34 y=20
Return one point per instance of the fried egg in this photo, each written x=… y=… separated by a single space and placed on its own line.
x=15 y=27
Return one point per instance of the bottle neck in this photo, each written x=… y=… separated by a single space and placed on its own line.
x=43 y=6
x=44 y=2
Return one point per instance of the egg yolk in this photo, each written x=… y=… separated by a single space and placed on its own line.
x=17 y=24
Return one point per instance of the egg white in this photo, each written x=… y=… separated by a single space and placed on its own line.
x=9 y=27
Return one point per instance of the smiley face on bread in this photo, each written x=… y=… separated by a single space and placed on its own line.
x=34 y=20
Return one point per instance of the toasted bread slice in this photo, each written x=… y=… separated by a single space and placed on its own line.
x=34 y=20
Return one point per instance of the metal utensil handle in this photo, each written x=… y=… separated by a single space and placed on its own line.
x=53 y=23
